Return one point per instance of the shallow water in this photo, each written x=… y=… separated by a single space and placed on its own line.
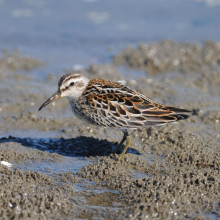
x=66 y=164
x=83 y=32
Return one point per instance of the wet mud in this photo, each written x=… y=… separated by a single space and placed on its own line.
x=64 y=169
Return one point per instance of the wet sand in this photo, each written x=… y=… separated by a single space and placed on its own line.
x=63 y=168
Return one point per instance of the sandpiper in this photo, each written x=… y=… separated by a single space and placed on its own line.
x=112 y=105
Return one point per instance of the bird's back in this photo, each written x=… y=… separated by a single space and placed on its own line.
x=114 y=105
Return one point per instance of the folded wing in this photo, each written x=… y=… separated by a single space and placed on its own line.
x=121 y=107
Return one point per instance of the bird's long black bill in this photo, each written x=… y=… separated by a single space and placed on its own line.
x=55 y=96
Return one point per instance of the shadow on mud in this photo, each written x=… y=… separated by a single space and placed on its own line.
x=79 y=146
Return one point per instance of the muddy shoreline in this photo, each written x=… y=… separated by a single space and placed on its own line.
x=63 y=168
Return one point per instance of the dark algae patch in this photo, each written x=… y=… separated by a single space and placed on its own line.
x=63 y=168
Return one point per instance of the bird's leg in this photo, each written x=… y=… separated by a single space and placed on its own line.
x=125 y=137
x=126 y=147
x=118 y=147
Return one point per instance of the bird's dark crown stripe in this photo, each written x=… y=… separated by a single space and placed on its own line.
x=71 y=77
x=68 y=76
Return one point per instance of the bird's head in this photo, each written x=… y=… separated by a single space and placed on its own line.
x=71 y=85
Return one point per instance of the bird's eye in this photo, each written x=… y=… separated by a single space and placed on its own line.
x=72 y=83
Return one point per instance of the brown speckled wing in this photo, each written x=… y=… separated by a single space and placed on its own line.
x=121 y=107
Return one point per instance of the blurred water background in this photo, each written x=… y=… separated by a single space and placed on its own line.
x=82 y=32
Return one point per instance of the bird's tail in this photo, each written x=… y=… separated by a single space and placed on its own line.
x=179 y=114
x=165 y=114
